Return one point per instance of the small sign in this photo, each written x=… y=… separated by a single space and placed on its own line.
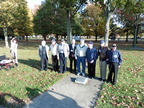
x=81 y=80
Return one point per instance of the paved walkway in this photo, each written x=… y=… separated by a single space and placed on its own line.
x=68 y=94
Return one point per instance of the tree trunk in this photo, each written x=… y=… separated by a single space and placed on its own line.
x=135 y=35
x=127 y=36
x=69 y=37
x=107 y=29
x=6 y=37
x=26 y=38
x=57 y=37
x=23 y=37
x=96 y=35
x=44 y=38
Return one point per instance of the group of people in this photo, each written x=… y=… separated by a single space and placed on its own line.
x=82 y=54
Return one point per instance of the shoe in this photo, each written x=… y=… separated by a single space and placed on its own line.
x=40 y=69
x=104 y=80
x=83 y=75
x=109 y=81
x=114 y=83
x=16 y=64
x=78 y=74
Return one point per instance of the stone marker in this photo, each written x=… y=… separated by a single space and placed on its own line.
x=81 y=80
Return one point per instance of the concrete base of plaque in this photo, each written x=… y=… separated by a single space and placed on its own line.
x=81 y=80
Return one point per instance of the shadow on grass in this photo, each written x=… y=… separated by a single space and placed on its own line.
x=33 y=92
x=10 y=101
x=33 y=63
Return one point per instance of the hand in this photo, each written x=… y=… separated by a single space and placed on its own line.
x=92 y=61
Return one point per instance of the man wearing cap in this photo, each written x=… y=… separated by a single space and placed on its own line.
x=80 y=54
x=114 y=59
x=53 y=49
x=63 y=53
x=43 y=53
x=102 y=51
x=72 y=48
x=91 y=57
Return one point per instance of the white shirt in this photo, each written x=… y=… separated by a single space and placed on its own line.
x=53 y=49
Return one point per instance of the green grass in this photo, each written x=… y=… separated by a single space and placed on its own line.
x=23 y=83
x=129 y=90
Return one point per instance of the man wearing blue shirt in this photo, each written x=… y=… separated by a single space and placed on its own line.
x=114 y=59
x=91 y=57
x=80 y=54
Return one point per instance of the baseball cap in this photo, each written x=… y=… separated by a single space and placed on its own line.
x=102 y=42
x=90 y=42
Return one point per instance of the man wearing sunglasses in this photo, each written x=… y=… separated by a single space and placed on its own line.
x=114 y=60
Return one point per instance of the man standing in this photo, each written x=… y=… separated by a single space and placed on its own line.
x=72 y=48
x=91 y=57
x=53 y=49
x=114 y=59
x=63 y=53
x=43 y=53
x=80 y=55
x=13 y=51
x=102 y=51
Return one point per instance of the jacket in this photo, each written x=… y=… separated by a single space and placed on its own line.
x=102 y=51
x=91 y=54
x=72 y=51
x=65 y=49
x=53 y=49
x=47 y=51
x=81 y=51
x=114 y=57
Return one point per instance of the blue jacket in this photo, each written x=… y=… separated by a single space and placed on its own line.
x=91 y=54
x=114 y=57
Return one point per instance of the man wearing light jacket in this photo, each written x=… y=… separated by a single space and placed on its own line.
x=63 y=53
x=53 y=49
x=80 y=54
x=114 y=60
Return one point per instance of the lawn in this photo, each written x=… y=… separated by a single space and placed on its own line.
x=23 y=83
x=129 y=91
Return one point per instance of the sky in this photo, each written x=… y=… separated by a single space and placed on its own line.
x=31 y=3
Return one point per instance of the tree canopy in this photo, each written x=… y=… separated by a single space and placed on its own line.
x=51 y=19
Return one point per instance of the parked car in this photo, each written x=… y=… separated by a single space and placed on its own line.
x=77 y=38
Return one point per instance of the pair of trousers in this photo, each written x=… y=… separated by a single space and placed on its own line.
x=44 y=63
x=113 y=72
x=72 y=60
x=79 y=61
x=62 y=59
x=103 y=67
x=91 y=69
x=55 y=63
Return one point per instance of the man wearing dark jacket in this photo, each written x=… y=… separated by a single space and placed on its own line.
x=114 y=60
x=72 y=48
x=91 y=57
x=43 y=54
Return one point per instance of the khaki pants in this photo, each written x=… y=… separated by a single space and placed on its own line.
x=103 y=67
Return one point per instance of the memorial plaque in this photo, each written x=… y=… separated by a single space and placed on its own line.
x=81 y=80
